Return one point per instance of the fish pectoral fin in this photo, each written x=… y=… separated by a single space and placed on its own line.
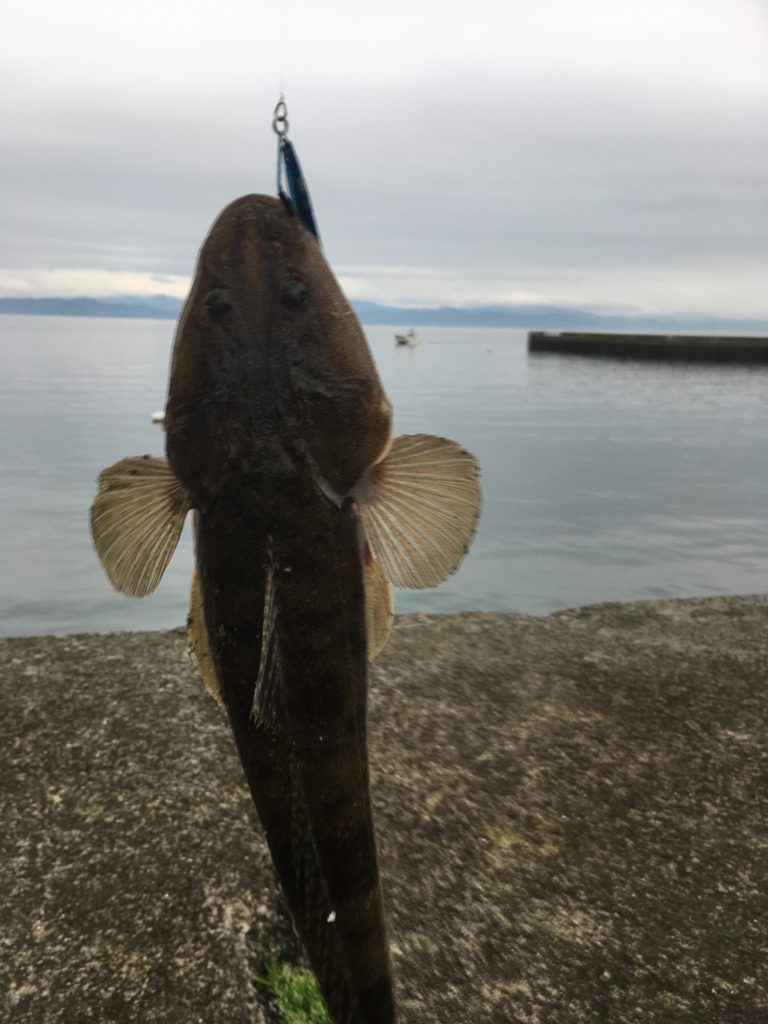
x=199 y=642
x=136 y=521
x=379 y=606
x=419 y=508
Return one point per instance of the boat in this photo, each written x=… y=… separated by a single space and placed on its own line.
x=409 y=339
x=158 y=417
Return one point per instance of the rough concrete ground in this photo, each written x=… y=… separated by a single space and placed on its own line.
x=572 y=815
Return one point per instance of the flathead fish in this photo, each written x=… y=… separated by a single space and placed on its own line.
x=278 y=440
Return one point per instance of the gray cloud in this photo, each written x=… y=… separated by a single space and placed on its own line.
x=492 y=154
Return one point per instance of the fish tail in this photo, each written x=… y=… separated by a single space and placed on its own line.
x=347 y=869
x=314 y=915
x=323 y=902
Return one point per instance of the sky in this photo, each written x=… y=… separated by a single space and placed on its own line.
x=605 y=154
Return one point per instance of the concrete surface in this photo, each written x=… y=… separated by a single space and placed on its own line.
x=572 y=815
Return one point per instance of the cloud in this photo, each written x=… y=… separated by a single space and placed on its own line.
x=739 y=290
x=503 y=148
x=76 y=283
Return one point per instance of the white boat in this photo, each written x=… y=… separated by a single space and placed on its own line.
x=409 y=339
x=158 y=417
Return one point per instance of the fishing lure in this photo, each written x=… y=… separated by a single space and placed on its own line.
x=289 y=172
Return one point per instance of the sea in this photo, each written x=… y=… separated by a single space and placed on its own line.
x=603 y=479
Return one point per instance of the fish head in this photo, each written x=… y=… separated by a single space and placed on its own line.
x=270 y=364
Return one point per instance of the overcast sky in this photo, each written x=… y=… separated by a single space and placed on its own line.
x=600 y=153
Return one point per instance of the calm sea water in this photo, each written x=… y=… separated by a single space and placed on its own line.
x=603 y=480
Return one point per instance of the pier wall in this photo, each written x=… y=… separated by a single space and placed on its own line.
x=652 y=346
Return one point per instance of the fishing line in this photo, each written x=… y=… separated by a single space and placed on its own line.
x=283 y=23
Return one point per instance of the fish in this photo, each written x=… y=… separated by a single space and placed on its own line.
x=306 y=512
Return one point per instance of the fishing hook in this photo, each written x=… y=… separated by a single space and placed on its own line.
x=280 y=124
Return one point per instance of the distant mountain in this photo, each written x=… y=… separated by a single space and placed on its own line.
x=165 y=307
x=475 y=316
x=145 y=308
x=167 y=303
x=549 y=318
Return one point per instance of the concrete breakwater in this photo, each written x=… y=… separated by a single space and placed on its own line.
x=653 y=346
x=571 y=813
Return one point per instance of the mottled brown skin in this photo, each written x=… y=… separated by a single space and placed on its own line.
x=269 y=358
x=274 y=410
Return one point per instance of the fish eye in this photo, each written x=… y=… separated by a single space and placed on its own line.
x=217 y=302
x=293 y=293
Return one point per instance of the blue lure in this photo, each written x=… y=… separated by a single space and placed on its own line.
x=289 y=172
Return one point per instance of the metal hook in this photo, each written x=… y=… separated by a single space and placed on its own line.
x=280 y=124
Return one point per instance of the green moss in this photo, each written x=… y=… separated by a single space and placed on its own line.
x=295 y=994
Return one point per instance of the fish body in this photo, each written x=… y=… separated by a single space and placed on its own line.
x=278 y=438
x=291 y=661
